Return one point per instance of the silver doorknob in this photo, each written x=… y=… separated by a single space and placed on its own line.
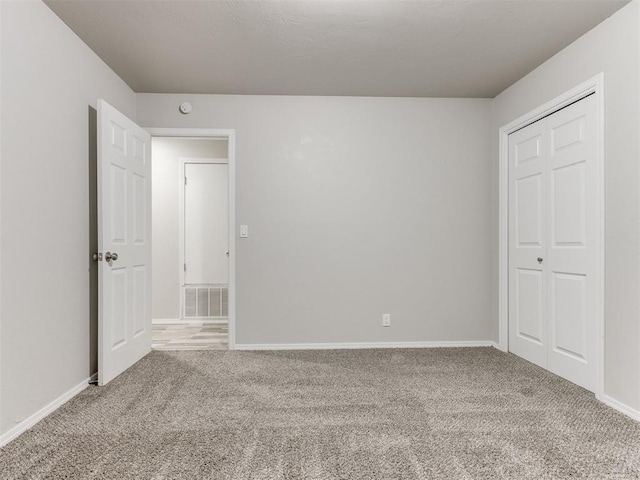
x=111 y=256
x=539 y=259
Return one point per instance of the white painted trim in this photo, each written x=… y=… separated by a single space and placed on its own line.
x=621 y=407
x=638 y=339
x=230 y=135
x=594 y=85
x=231 y=155
x=206 y=160
x=30 y=421
x=177 y=321
x=0 y=221
x=361 y=345
x=181 y=242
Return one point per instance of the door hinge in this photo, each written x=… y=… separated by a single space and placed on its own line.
x=184 y=265
x=185 y=180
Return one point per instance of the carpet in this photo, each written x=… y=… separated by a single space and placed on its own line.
x=465 y=413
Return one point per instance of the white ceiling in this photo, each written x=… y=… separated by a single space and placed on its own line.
x=427 y=48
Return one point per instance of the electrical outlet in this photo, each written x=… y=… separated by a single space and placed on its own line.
x=386 y=319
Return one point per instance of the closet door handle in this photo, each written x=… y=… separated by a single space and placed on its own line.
x=540 y=260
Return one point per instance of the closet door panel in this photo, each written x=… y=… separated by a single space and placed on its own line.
x=527 y=243
x=573 y=252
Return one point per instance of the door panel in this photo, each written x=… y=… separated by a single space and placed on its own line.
x=528 y=149
x=139 y=209
x=568 y=205
x=527 y=242
x=206 y=221
x=530 y=300
x=118 y=307
x=575 y=246
x=568 y=134
x=118 y=196
x=124 y=223
x=569 y=314
x=139 y=295
x=528 y=192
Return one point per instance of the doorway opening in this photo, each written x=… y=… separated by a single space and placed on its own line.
x=191 y=242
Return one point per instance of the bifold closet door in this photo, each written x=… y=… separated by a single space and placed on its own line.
x=528 y=243
x=574 y=243
x=554 y=243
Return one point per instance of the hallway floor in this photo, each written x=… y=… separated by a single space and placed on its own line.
x=190 y=337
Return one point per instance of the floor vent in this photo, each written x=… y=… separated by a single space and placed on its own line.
x=206 y=301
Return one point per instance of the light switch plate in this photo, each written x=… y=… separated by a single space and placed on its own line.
x=244 y=231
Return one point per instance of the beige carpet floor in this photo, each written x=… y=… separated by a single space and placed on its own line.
x=361 y=414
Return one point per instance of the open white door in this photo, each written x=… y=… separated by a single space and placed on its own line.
x=124 y=243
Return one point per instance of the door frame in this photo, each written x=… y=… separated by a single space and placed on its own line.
x=594 y=85
x=229 y=135
x=181 y=257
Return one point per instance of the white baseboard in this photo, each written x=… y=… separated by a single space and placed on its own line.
x=359 y=345
x=502 y=347
x=621 y=407
x=30 y=421
x=165 y=321
x=177 y=321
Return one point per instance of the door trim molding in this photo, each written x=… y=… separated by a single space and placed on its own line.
x=230 y=136
x=594 y=85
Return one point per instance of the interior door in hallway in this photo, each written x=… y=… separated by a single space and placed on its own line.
x=124 y=241
x=554 y=243
x=206 y=224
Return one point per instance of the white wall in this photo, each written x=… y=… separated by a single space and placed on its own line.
x=355 y=207
x=166 y=181
x=612 y=48
x=49 y=80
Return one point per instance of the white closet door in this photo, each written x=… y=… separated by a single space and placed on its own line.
x=527 y=243
x=554 y=243
x=206 y=224
x=573 y=251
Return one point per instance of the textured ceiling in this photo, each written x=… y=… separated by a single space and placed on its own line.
x=430 y=48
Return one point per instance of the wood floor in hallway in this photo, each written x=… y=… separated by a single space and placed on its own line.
x=204 y=336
